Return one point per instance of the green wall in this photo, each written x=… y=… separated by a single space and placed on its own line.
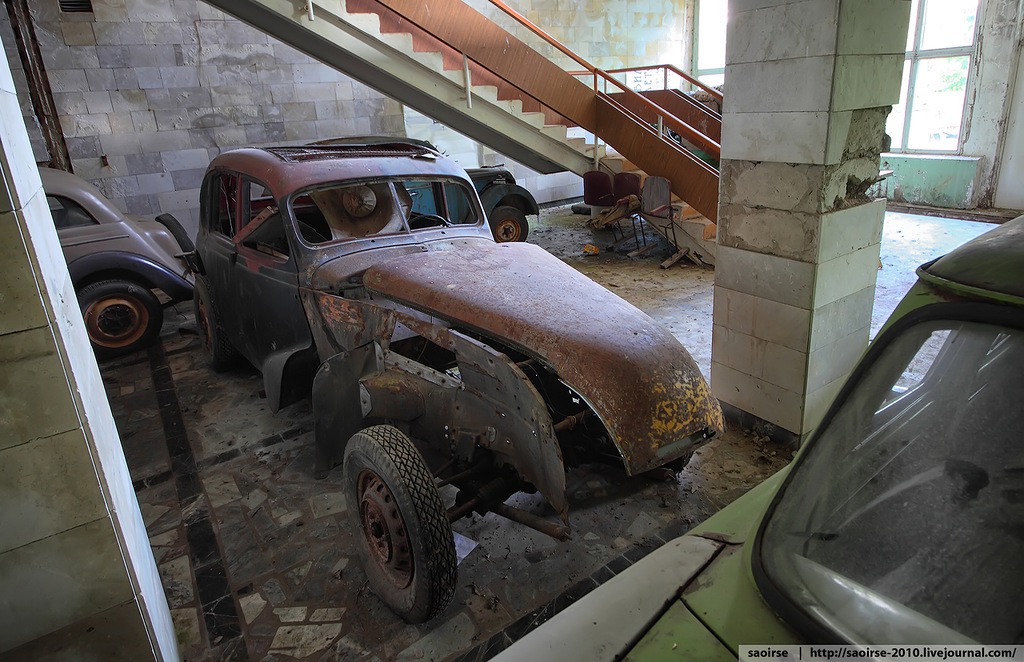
x=933 y=180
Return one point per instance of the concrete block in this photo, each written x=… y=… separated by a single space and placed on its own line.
x=785 y=31
x=733 y=310
x=83 y=148
x=867 y=81
x=817 y=403
x=121 y=143
x=110 y=33
x=782 y=324
x=758 y=397
x=143 y=205
x=789 y=137
x=840 y=318
x=149 y=78
x=784 y=186
x=736 y=6
x=98 y=102
x=144 y=121
x=766 y=276
x=117 y=188
x=87 y=583
x=142 y=164
x=767 y=87
x=845 y=275
x=179 y=76
x=71 y=103
x=188 y=179
x=873 y=27
x=22 y=303
x=56 y=488
x=129 y=99
x=101 y=79
x=96 y=124
x=835 y=360
x=152 y=55
x=738 y=351
x=185 y=159
x=111 y=56
x=34 y=397
x=298 y=112
x=72 y=57
x=169 y=120
x=784 y=367
x=162 y=33
x=851 y=229
x=307 y=130
x=78 y=34
x=788 y=234
x=151 y=11
x=179 y=199
x=68 y=80
x=121 y=122
x=155 y=183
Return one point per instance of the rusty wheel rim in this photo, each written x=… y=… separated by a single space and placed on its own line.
x=116 y=322
x=384 y=529
x=508 y=230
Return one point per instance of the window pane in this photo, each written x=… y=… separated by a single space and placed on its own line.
x=712 y=79
x=898 y=116
x=711 y=34
x=949 y=23
x=938 y=103
x=913 y=25
x=67 y=213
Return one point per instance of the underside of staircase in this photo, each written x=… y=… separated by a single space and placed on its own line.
x=453 y=64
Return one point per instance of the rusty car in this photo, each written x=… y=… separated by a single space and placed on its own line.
x=367 y=275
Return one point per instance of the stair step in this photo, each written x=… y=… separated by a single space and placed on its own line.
x=555 y=131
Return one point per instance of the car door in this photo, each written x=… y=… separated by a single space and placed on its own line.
x=219 y=252
x=271 y=321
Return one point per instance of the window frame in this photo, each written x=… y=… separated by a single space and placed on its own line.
x=913 y=59
x=695 y=69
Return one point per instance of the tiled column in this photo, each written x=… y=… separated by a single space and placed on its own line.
x=808 y=88
x=77 y=576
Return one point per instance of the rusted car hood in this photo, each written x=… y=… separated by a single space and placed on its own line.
x=636 y=376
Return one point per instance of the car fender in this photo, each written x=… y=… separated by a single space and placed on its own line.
x=152 y=273
x=493 y=195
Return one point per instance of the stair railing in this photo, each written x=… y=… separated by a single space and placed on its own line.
x=664 y=117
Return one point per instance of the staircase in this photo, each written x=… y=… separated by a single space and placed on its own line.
x=453 y=64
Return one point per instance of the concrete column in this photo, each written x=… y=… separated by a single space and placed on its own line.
x=77 y=575
x=808 y=87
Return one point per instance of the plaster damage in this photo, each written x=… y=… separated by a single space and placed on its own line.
x=774 y=208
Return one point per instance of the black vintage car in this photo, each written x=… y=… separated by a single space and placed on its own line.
x=367 y=273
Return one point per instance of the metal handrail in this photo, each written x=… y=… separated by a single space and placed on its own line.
x=684 y=129
x=668 y=67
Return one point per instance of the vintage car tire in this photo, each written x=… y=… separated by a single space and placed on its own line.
x=121 y=316
x=401 y=526
x=509 y=223
x=219 y=350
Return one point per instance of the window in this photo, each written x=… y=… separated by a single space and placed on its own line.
x=901 y=522
x=709 y=42
x=67 y=213
x=940 y=48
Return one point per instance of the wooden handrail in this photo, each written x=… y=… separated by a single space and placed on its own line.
x=684 y=129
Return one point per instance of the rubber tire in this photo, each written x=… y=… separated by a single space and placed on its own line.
x=219 y=350
x=387 y=452
x=514 y=221
x=123 y=289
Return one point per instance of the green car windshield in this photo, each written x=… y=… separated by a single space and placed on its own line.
x=904 y=522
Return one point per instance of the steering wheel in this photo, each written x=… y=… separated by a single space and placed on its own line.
x=420 y=221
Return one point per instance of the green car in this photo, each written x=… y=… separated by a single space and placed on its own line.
x=901 y=521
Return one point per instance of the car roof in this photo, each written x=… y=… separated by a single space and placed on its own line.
x=990 y=266
x=288 y=168
x=68 y=185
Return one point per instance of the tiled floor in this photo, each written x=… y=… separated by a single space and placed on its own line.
x=257 y=556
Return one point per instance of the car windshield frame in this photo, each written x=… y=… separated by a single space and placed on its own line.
x=789 y=608
x=287 y=204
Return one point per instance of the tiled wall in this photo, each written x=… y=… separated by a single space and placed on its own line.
x=77 y=574
x=148 y=91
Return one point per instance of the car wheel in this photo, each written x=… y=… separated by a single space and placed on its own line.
x=121 y=316
x=403 y=535
x=509 y=224
x=219 y=350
